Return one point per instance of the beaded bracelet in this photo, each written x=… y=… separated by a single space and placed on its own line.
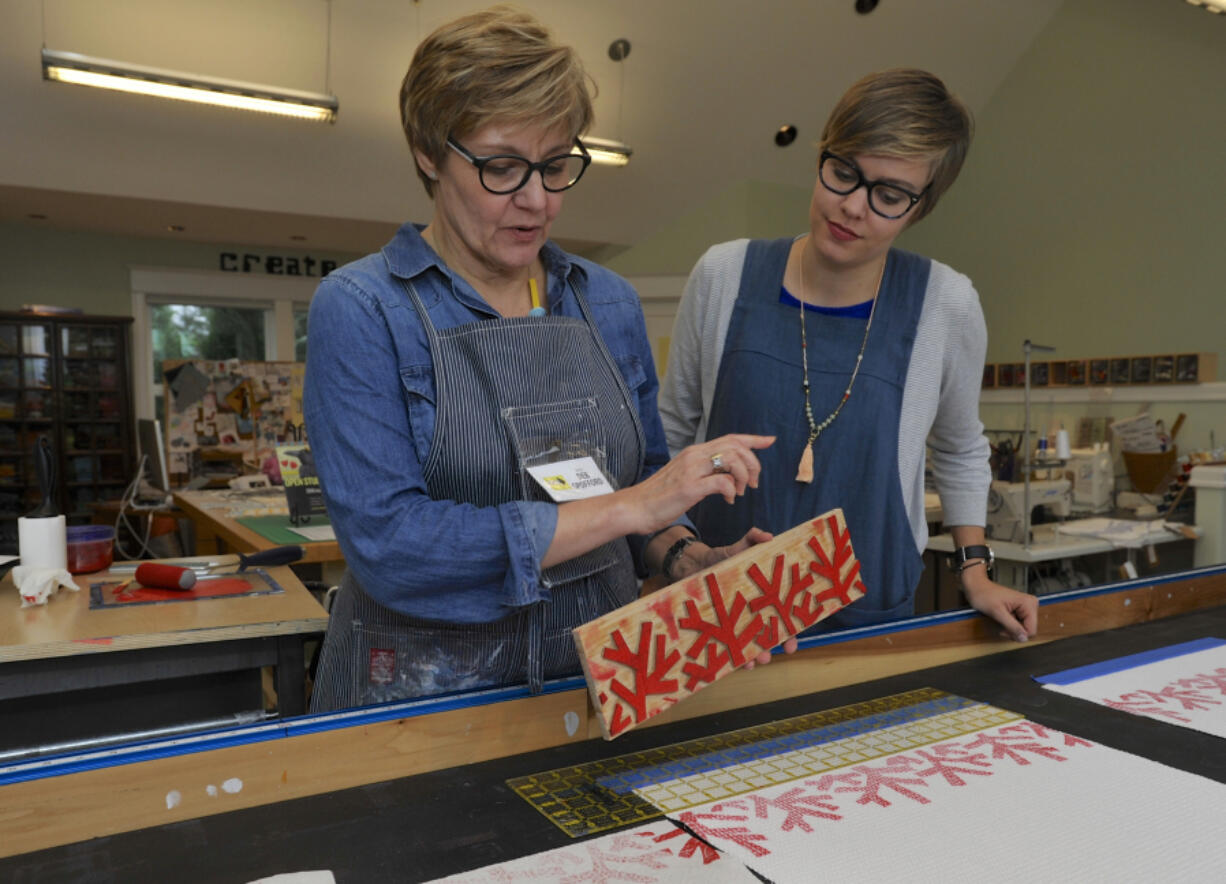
x=675 y=552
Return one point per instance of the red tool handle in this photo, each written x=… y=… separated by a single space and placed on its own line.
x=157 y=576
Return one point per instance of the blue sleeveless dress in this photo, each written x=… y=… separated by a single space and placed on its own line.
x=855 y=460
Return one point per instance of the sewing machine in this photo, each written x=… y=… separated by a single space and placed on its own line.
x=1007 y=504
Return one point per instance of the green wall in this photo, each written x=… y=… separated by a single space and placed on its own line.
x=1089 y=214
x=1090 y=211
x=747 y=208
x=90 y=270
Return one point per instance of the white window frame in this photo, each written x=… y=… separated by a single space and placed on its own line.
x=278 y=296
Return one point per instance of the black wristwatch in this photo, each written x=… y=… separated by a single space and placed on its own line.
x=964 y=554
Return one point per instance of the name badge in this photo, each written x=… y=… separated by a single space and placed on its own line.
x=572 y=479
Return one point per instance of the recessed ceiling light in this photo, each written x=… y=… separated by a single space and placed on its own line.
x=619 y=49
x=175 y=228
x=297 y=237
x=785 y=135
x=36 y=216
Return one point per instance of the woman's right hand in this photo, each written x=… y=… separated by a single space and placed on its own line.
x=725 y=466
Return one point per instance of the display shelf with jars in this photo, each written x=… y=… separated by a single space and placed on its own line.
x=64 y=376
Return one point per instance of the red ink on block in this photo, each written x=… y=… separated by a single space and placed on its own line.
x=93 y=641
x=664 y=611
x=619 y=722
x=603 y=673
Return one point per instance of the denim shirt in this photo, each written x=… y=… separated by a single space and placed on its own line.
x=369 y=405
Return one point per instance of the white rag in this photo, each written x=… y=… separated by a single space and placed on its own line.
x=37 y=584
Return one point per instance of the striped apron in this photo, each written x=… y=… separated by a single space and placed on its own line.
x=506 y=390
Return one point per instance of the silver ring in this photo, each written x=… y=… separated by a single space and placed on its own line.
x=717 y=463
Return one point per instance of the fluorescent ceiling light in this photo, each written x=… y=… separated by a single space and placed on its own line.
x=606 y=152
x=1218 y=6
x=69 y=67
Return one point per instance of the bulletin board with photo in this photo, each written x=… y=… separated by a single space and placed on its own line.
x=227 y=417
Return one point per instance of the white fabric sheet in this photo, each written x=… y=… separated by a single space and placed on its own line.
x=1188 y=689
x=658 y=852
x=1018 y=802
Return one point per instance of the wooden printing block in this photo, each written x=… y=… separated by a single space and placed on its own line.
x=654 y=652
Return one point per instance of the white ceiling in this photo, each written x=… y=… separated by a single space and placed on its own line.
x=706 y=85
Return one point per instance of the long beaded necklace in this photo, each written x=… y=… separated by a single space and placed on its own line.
x=804 y=471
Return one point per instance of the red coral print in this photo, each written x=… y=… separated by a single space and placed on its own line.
x=1014 y=741
x=739 y=835
x=1185 y=698
x=1138 y=704
x=709 y=854
x=950 y=762
x=869 y=781
x=1215 y=680
x=796 y=805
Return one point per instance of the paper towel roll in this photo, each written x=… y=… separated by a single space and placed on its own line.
x=43 y=543
x=1062 y=446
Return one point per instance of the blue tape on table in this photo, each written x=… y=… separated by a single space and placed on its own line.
x=1119 y=664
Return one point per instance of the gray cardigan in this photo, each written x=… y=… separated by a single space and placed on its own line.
x=940 y=401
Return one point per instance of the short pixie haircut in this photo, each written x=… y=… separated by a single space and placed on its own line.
x=498 y=65
x=905 y=114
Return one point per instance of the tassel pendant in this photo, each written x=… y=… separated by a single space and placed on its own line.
x=804 y=472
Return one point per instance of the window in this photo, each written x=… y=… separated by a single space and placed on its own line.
x=204 y=331
x=186 y=314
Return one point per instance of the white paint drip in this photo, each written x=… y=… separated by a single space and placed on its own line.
x=233 y=785
x=571 y=721
x=172 y=799
x=211 y=789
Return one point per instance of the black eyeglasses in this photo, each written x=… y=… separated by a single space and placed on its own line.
x=507 y=173
x=843 y=177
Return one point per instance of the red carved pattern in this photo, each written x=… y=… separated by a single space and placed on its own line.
x=831 y=567
x=649 y=677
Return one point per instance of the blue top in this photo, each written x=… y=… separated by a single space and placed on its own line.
x=369 y=405
x=854 y=311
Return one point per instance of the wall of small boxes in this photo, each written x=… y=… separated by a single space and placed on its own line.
x=1166 y=368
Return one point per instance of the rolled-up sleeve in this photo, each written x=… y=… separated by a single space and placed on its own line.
x=369 y=429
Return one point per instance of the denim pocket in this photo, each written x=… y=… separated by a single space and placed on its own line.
x=555 y=431
x=418 y=383
x=632 y=372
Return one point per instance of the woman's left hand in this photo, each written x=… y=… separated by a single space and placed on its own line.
x=1017 y=612
x=700 y=556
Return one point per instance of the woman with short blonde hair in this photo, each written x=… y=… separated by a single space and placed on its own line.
x=854 y=354
x=465 y=355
